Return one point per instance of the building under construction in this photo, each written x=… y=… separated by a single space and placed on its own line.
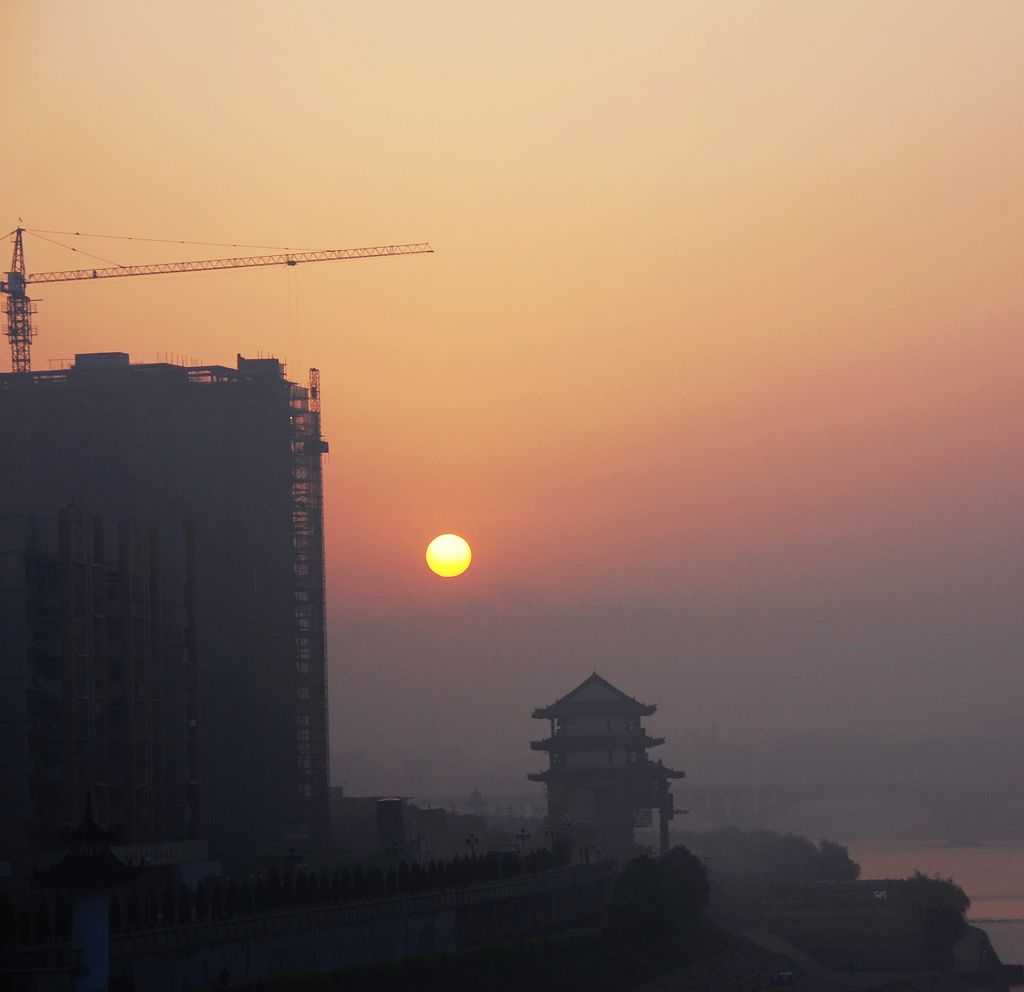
x=236 y=454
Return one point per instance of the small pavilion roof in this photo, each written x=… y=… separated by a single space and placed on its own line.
x=594 y=696
x=89 y=862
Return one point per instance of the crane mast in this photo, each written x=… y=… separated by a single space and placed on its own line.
x=20 y=308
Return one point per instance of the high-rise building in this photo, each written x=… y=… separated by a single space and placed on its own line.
x=237 y=453
x=98 y=679
x=600 y=781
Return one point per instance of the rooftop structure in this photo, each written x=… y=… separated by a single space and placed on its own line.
x=600 y=781
x=237 y=452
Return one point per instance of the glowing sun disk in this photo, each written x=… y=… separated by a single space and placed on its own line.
x=449 y=555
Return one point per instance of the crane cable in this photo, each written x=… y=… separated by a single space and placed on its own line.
x=164 y=241
x=81 y=251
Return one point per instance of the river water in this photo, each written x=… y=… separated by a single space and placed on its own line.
x=991 y=874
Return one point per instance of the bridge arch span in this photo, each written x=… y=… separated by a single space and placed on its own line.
x=865 y=814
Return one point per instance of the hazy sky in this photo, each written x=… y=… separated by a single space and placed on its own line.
x=717 y=364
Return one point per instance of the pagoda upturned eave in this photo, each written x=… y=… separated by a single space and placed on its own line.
x=572 y=742
x=643 y=771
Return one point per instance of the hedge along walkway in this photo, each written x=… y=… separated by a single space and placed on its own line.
x=708 y=960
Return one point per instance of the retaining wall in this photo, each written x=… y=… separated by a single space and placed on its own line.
x=321 y=938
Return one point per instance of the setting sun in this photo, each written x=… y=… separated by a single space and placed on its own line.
x=448 y=555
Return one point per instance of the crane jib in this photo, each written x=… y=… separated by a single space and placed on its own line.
x=212 y=264
x=20 y=306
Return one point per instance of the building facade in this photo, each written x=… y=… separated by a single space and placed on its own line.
x=237 y=452
x=600 y=782
x=98 y=679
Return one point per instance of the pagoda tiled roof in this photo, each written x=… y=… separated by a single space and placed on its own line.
x=615 y=703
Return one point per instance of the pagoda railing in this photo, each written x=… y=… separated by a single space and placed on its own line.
x=631 y=740
x=300 y=919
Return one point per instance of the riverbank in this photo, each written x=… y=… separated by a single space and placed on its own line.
x=992 y=875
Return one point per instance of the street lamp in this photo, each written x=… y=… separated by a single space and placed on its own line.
x=394 y=849
x=471 y=842
x=522 y=837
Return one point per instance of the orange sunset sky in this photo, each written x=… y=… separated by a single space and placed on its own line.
x=717 y=363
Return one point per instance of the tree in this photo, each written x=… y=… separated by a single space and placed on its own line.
x=8 y=921
x=274 y=893
x=687 y=884
x=185 y=904
x=659 y=896
x=202 y=902
x=167 y=907
x=115 y=918
x=834 y=863
x=768 y=857
x=639 y=898
x=134 y=910
x=937 y=905
x=44 y=930
x=217 y=899
x=232 y=900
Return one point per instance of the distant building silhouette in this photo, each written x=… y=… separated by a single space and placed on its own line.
x=237 y=452
x=600 y=782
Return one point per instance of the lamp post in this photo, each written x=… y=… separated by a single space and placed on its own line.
x=471 y=842
x=394 y=849
x=554 y=835
x=522 y=837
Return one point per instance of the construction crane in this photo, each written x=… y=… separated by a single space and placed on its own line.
x=20 y=307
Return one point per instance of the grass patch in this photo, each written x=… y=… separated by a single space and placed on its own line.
x=551 y=963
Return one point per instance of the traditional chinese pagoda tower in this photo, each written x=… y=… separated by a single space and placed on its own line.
x=601 y=783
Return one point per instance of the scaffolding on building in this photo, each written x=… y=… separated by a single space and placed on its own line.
x=311 y=732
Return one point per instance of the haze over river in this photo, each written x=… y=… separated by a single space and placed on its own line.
x=991 y=874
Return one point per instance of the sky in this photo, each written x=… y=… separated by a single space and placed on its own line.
x=716 y=363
